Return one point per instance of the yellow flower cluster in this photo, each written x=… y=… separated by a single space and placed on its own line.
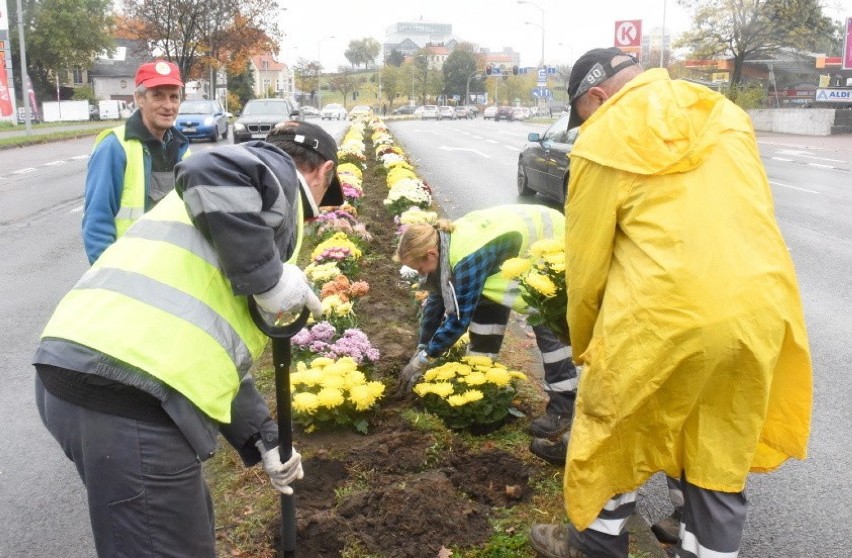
x=455 y=379
x=329 y=384
x=349 y=168
x=322 y=273
x=334 y=306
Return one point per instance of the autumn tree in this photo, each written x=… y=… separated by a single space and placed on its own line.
x=55 y=42
x=307 y=74
x=362 y=51
x=392 y=83
x=425 y=81
x=204 y=35
x=752 y=29
x=395 y=58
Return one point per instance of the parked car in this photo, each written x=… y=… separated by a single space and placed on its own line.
x=309 y=112
x=405 y=109
x=259 y=116
x=505 y=112
x=463 y=112
x=521 y=113
x=202 y=119
x=360 y=110
x=334 y=111
x=543 y=164
x=489 y=112
x=445 y=111
x=430 y=111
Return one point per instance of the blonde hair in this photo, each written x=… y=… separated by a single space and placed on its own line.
x=418 y=239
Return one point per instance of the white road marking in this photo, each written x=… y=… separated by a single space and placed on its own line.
x=512 y=147
x=820 y=166
x=448 y=148
x=807 y=155
x=54 y=163
x=23 y=171
x=793 y=187
x=781 y=159
x=78 y=157
x=77 y=209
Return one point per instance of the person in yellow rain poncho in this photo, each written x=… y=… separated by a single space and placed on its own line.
x=683 y=306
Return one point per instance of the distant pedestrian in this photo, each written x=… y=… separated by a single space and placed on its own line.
x=132 y=165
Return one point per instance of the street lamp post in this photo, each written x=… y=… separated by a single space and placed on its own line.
x=319 y=70
x=539 y=8
x=467 y=88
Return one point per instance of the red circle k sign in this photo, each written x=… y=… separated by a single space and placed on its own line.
x=628 y=33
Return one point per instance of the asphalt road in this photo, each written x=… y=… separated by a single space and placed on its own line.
x=801 y=511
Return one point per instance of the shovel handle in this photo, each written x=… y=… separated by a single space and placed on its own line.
x=280 y=336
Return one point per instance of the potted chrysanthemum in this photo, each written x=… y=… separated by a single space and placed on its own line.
x=328 y=392
x=541 y=276
x=470 y=393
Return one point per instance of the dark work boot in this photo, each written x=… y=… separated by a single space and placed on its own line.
x=553 y=541
x=552 y=452
x=550 y=425
x=667 y=530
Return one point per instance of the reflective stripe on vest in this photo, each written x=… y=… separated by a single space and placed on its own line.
x=478 y=228
x=132 y=205
x=158 y=301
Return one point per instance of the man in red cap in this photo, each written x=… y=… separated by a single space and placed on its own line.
x=131 y=167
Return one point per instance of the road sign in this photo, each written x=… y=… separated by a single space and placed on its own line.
x=628 y=33
x=551 y=71
x=542 y=93
x=542 y=77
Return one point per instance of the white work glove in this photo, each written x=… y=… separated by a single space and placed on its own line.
x=281 y=474
x=412 y=372
x=290 y=294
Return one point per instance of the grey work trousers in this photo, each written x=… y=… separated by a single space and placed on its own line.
x=711 y=524
x=147 y=497
x=487 y=329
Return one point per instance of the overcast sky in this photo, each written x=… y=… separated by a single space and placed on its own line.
x=310 y=25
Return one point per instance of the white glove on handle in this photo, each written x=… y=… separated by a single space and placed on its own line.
x=290 y=294
x=281 y=474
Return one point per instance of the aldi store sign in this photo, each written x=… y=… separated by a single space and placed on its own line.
x=834 y=95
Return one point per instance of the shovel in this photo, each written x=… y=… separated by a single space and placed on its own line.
x=280 y=336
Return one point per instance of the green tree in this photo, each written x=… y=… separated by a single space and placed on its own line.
x=392 y=83
x=240 y=87
x=752 y=29
x=362 y=51
x=55 y=42
x=459 y=69
x=395 y=58
x=426 y=83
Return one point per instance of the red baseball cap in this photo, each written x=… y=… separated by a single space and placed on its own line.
x=158 y=72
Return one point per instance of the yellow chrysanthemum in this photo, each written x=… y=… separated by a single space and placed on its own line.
x=546 y=246
x=472 y=395
x=347 y=364
x=498 y=376
x=362 y=397
x=354 y=378
x=305 y=402
x=343 y=309
x=312 y=377
x=376 y=389
x=456 y=400
x=332 y=380
x=443 y=389
x=541 y=284
x=475 y=379
x=321 y=362
x=330 y=398
x=349 y=168
x=514 y=268
x=518 y=375
x=478 y=360
x=296 y=378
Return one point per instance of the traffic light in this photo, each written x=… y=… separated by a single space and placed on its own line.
x=488 y=70
x=514 y=70
x=354 y=95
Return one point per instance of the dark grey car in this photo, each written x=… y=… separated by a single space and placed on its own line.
x=261 y=115
x=543 y=164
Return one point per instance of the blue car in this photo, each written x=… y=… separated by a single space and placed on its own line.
x=202 y=119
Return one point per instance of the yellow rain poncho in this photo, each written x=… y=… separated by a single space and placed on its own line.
x=683 y=302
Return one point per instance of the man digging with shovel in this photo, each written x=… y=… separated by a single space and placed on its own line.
x=147 y=358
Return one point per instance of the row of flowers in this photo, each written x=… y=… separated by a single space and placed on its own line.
x=332 y=385
x=464 y=391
